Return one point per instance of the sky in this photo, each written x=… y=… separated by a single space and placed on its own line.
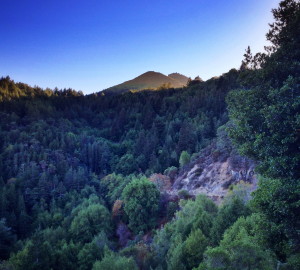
x=91 y=45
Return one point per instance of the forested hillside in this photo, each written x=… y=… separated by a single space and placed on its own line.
x=75 y=171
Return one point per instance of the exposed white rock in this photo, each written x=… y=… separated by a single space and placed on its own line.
x=213 y=178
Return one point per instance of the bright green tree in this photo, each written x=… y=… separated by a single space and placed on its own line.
x=242 y=247
x=184 y=158
x=141 y=199
x=89 y=222
x=175 y=256
x=194 y=247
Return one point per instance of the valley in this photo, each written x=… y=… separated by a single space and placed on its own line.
x=161 y=172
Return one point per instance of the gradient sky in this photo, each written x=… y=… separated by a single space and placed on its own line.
x=93 y=44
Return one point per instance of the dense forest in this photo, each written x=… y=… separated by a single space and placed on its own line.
x=74 y=170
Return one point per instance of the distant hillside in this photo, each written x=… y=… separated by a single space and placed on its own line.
x=149 y=80
x=179 y=77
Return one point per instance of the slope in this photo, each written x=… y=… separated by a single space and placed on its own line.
x=149 y=80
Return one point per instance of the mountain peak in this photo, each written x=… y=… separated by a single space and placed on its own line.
x=149 y=80
x=179 y=77
x=150 y=72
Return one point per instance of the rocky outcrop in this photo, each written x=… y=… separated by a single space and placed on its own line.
x=212 y=173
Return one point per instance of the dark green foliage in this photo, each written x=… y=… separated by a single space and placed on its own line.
x=279 y=201
x=57 y=142
x=140 y=252
x=264 y=126
x=127 y=165
x=56 y=146
x=293 y=262
x=141 y=198
x=241 y=248
x=113 y=186
x=227 y=215
x=175 y=256
x=112 y=261
x=265 y=123
x=72 y=170
x=194 y=247
x=37 y=254
x=89 y=222
x=173 y=245
x=7 y=240
x=265 y=117
x=92 y=251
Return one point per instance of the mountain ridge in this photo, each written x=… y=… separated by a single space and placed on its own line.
x=149 y=80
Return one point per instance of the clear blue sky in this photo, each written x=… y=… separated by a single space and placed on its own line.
x=93 y=44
